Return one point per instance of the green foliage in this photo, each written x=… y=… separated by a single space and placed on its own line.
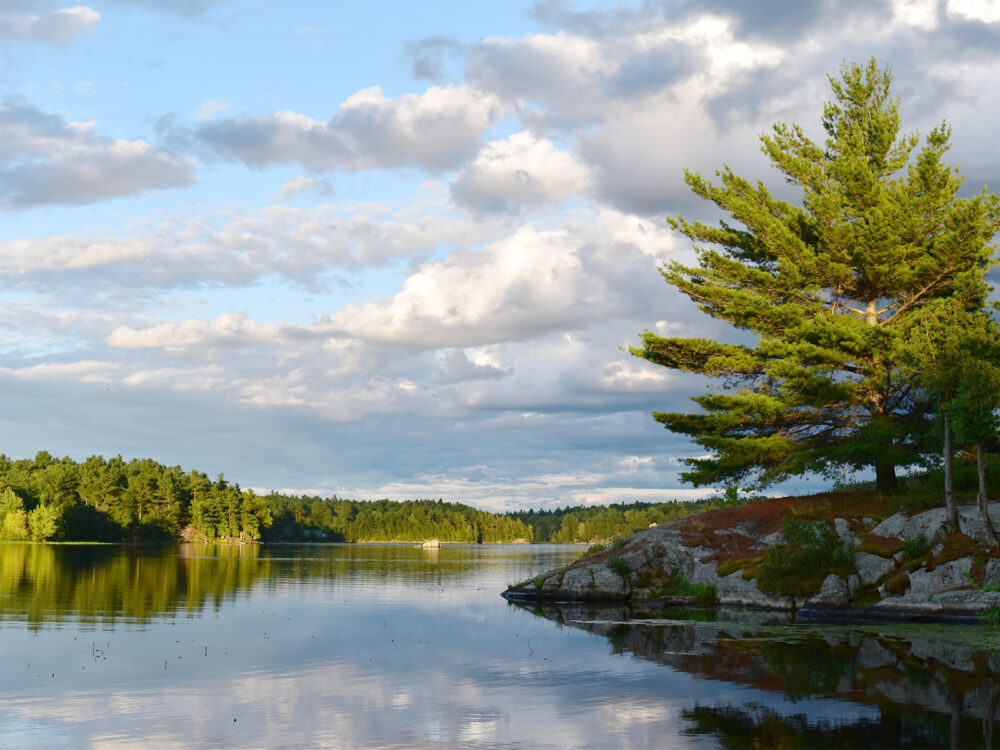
x=142 y=500
x=798 y=566
x=619 y=566
x=991 y=618
x=45 y=523
x=610 y=523
x=677 y=584
x=916 y=547
x=827 y=287
x=13 y=519
x=539 y=582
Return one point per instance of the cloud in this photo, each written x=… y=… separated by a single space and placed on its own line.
x=68 y=252
x=428 y=57
x=520 y=171
x=230 y=329
x=57 y=27
x=189 y=10
x=535 y=281
x=782 y=21
x=653 y=69
x=299 y=185
x=559 y=72
x=985 y=11
x=239 y=247
x=636 y=168
x=47 y=160
x=211 y=108
x=436 y=130
x=456 y=367
x=83 y=371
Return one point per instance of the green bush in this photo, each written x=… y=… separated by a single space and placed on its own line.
x=679 y=585
x=619 y=566
x=916 y=547
x=798 y=567
x=991 y=617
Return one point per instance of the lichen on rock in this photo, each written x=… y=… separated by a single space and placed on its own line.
x=650 y=565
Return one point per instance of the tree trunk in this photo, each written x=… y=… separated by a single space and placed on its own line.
x=991 y=709
x=885 y=478
x=949 y=483
x=991 y=535
x=956 y=721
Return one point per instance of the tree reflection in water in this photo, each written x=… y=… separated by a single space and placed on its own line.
x=933 y=686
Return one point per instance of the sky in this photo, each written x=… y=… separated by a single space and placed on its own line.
x=399 y=249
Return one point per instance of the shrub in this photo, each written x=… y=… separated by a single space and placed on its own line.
x=678 y=585
x=798 y=567
x=538 y=581
x=990 y=617
x=916 y=547
x=619 y=566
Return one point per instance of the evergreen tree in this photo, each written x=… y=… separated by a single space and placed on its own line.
x=824 y=288
x=977 y=401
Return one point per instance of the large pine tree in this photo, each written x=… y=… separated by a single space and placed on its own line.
x=825 y=287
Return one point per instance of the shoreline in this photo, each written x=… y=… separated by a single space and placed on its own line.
x=904 y=567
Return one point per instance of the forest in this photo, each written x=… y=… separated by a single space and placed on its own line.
x=140 y=500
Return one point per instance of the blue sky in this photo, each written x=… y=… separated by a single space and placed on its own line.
x=393 y=249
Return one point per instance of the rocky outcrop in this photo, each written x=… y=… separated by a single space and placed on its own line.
x=905 y=566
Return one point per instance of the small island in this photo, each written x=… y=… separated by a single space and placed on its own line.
x=828 y=557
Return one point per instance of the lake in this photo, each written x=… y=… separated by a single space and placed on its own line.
x=392 y=646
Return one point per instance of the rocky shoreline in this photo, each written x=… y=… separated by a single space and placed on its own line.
x=905 y=567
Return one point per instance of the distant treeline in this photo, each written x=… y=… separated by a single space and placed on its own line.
x=46 y=498
x=603 y=522
x=141 y=500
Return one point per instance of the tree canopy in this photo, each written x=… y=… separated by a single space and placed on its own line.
x=825 y=287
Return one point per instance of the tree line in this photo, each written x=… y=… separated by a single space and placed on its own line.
x=100 y=499
x=115 y=500
x=602 y=523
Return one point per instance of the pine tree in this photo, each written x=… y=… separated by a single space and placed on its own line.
x=824 y=288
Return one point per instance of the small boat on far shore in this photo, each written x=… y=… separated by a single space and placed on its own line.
x=431 y=544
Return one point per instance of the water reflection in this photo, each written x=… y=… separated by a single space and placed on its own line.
x=932 y=686
x=45 y=585
x=380 y=646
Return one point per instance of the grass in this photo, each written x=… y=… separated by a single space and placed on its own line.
x=677 y=584
x=729 y=567
x=991 y=618
x=619 y=566
x=882 y=546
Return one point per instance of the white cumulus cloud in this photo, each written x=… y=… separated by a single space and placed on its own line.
x=437 y=130
x=46 y=159
x=521 y=170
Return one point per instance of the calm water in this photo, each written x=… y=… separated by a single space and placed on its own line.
x=392 y=646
